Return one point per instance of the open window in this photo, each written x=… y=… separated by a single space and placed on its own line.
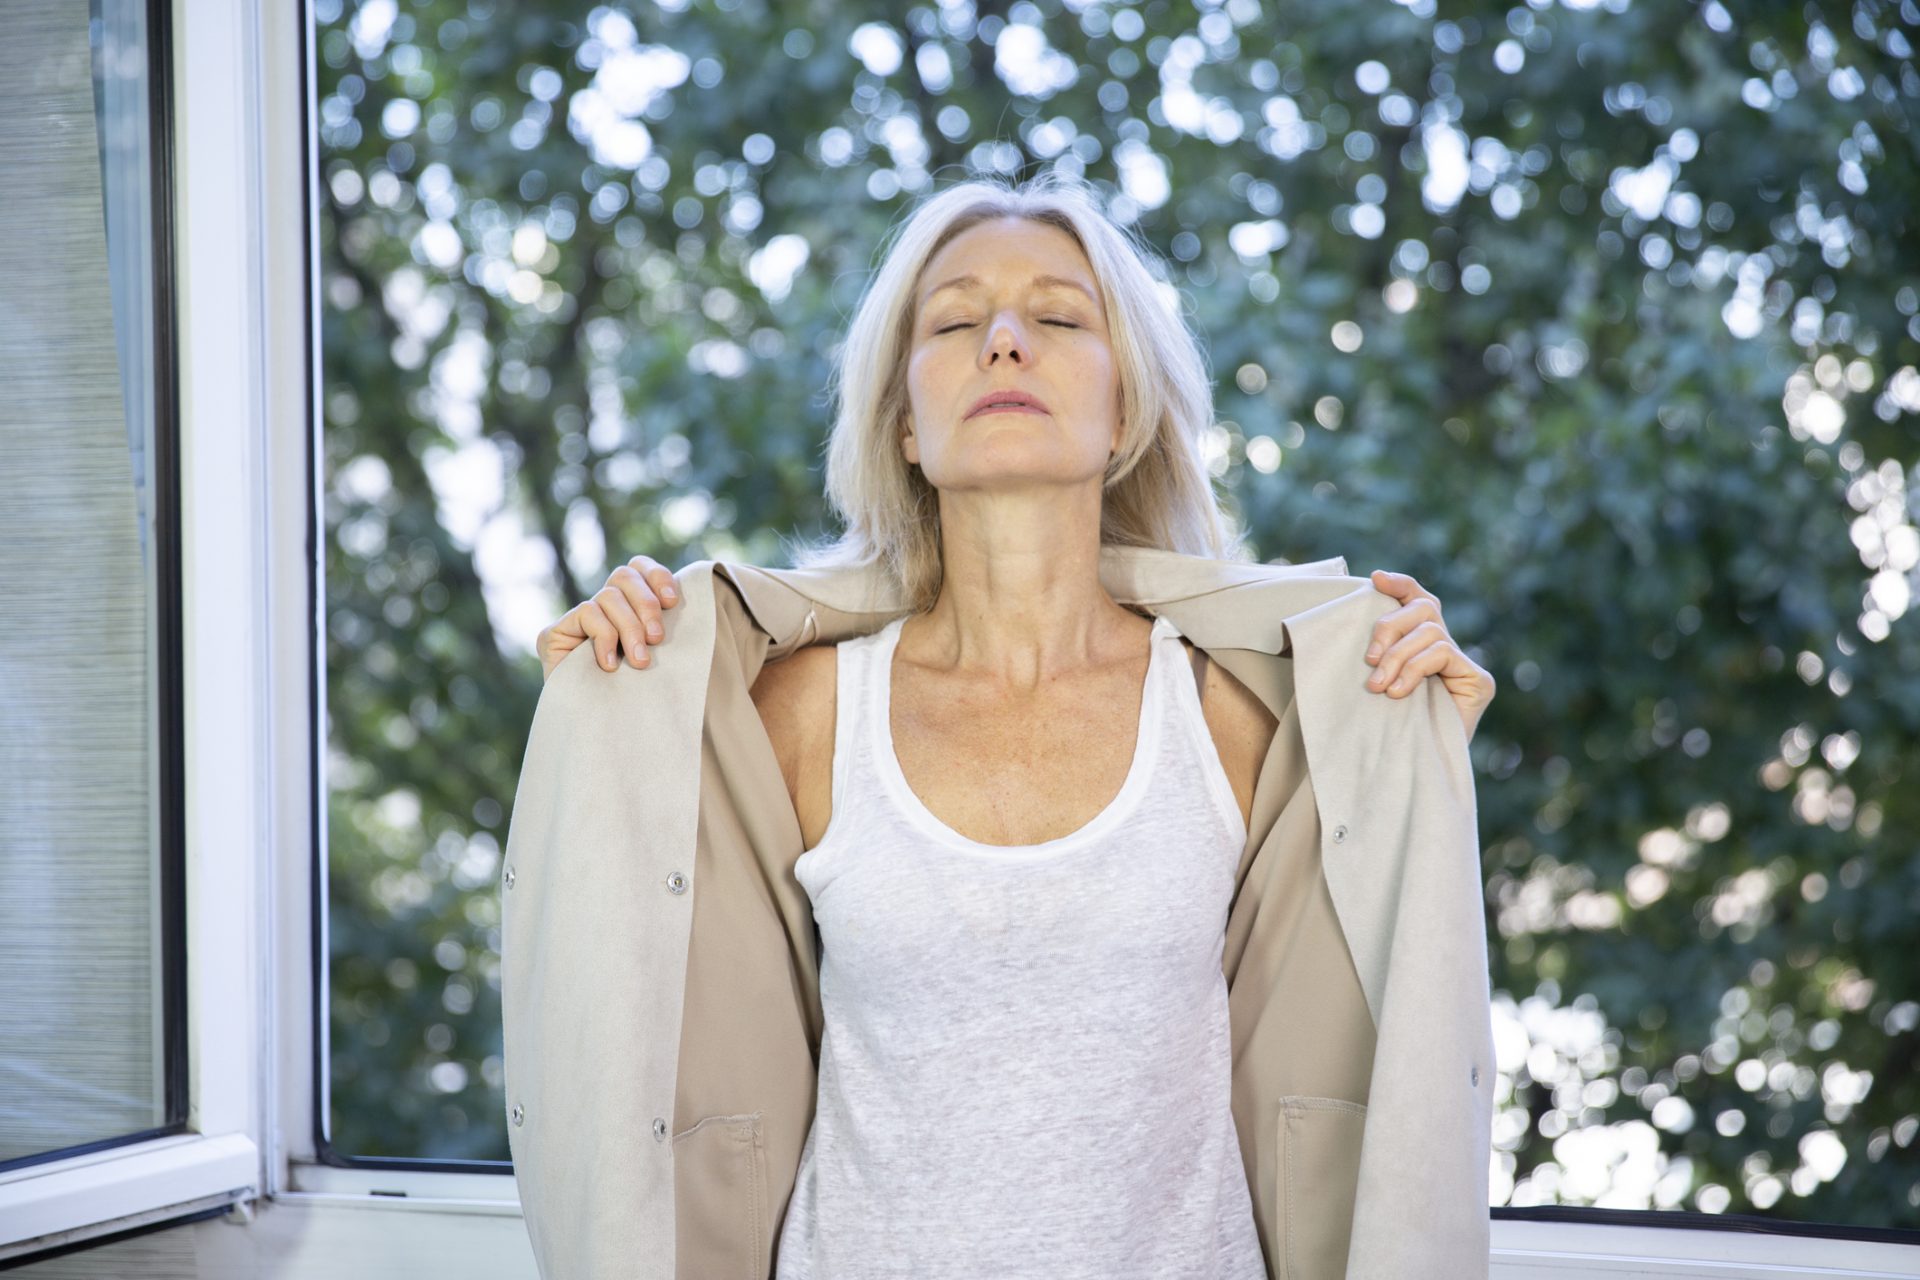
x=123 y=1077
x=267 y=594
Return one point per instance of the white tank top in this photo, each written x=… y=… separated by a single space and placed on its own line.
x=1025 y=1067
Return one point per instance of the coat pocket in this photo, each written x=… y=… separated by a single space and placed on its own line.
x=720 y=1199
x=1316 y=1176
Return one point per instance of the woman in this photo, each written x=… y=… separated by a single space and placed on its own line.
x=983 y=853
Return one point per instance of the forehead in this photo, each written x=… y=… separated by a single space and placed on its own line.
x=1009 y=251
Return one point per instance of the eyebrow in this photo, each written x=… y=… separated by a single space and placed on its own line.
x=1042 y=281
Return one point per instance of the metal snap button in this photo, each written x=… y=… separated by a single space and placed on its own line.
x=659 y=1129
x=1474 y=1075
x=1340 y=833
x=677 y=882
x=519 y=1113
x=509 y=875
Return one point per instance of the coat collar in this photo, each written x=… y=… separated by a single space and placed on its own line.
x=1217 y=604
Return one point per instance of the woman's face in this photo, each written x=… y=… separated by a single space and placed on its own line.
x=1010 y=327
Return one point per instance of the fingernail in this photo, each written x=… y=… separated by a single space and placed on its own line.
x=668 y=593
x=607 y=662
x=653 y=634
x=1373 y=653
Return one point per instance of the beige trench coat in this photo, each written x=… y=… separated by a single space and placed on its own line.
x=660 y=986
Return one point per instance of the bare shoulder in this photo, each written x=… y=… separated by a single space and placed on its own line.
x=1242 y=730
x=795 y=697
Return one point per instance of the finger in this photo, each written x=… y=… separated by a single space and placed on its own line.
x=626 y=625
x=553 y=644
x=1422 y=636
x=1396 y=584
x=659 y=577
x=560 y=639
x=591 y=622
x=640 y=597
x=1430 y=661
x=1410 y=672
x=1402 y=586
x=1390 y=626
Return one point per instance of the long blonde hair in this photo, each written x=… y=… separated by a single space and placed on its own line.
x=1156 y=493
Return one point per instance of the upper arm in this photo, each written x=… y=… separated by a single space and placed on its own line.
x=795 y=696
x=1242 y=729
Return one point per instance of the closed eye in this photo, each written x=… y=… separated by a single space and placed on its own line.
x=1064 y=324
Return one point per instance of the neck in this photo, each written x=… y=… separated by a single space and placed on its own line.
x=1020 y=596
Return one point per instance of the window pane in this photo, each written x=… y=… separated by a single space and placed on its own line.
x=1599 y=319
x=421 y=704
x=85 y=921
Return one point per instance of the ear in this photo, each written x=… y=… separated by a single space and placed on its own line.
x=909 y=443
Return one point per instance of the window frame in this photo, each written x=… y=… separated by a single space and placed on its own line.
x=205 y=561
x=1564 y=1242
x=254 y=711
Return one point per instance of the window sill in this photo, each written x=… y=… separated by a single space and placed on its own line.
x=404 y=1189
x=47 y=1205
x=1610 y=1251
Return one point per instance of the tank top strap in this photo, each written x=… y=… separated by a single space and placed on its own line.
x=1191 y=734
x=854 y=700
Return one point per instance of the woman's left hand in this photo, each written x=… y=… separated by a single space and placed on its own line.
x=1412 y=641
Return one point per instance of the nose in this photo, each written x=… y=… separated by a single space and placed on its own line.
x=1003 y=339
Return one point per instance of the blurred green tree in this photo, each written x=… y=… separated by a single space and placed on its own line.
x=1599 y=318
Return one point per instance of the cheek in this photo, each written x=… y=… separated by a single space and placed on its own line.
x=916 y=380
x=934 y=379
x=1094 y=353
x=1098 y=375
x=924 y=367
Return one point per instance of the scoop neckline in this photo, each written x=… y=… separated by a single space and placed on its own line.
x=1116 y=810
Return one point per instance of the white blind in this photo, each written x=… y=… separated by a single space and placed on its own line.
x=80 y=1017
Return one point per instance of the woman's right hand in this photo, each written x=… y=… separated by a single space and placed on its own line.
x=624 y=614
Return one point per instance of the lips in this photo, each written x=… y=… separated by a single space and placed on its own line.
x=1007 y=400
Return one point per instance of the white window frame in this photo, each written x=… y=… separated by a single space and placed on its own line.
x=249 y=344
x=221 y=390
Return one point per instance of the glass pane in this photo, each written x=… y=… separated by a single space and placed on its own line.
x=1598 y=319
x=421 y=703
x=82 y=989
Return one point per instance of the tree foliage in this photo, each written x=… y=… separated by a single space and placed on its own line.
x=1598 y=318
